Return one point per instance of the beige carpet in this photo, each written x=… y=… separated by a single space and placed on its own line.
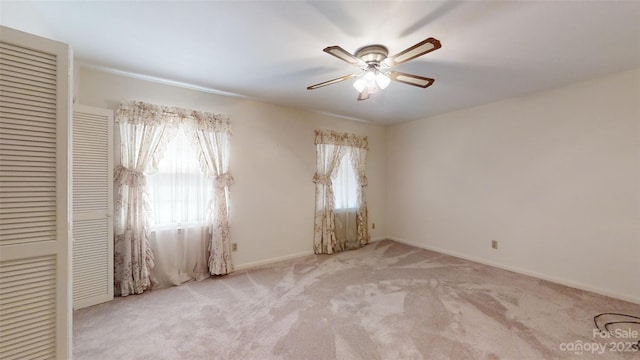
x=384 y=301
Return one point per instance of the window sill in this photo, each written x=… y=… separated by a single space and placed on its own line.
x=344 y=210
x=178 y=226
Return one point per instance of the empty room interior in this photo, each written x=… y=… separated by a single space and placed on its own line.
x=320 y=180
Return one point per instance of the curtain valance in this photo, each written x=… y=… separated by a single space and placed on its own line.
x=138 y=112
x=331 y=137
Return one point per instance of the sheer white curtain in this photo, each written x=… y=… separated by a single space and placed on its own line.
x=345 y=190
x=180 y=197
x=181 y=192
x=345 y=184
x=341 y=215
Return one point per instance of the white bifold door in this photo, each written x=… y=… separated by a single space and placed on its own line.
x=35 y=205
x=92 y=206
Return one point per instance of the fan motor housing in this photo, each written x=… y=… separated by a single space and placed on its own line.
x=372 y=53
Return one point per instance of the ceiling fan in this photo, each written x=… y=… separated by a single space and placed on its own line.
x=375 y=62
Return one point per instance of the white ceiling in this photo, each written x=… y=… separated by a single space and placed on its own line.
x=272 y=50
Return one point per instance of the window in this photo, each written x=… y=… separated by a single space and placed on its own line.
x=343 y=225
x=180 y=192
x=345 y=186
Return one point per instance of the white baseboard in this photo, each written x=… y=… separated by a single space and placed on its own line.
x=272 y=260
x=553 y=279
x=287 y=257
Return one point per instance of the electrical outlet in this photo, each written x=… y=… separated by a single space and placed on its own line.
x=494 y=244
x=373 y=226
x=234 y=247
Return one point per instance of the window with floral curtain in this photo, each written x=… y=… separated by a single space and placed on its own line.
x=341 y=221
x=191 y=207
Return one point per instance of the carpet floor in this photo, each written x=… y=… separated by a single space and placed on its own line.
x=384 y=301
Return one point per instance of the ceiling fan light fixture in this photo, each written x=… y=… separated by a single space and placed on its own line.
x=382 y=80
x=360 y=84
x=366 y=80
x=372 y=80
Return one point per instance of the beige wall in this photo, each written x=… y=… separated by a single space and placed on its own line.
x=272 y=161
x=554 y=177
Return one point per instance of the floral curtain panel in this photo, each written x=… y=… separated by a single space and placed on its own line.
x=210 y=139
x=145 y=130
x=142 y=144
x=324 y=239
x=358 y=161
x=330 y=149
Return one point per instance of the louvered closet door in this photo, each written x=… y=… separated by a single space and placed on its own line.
x=35 y=301
x=92 y=206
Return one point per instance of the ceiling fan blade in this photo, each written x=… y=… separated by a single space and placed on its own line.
x=344 y=55
x=364 y=95
x=410 y=79
x=419 y=49
x=332 y=81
